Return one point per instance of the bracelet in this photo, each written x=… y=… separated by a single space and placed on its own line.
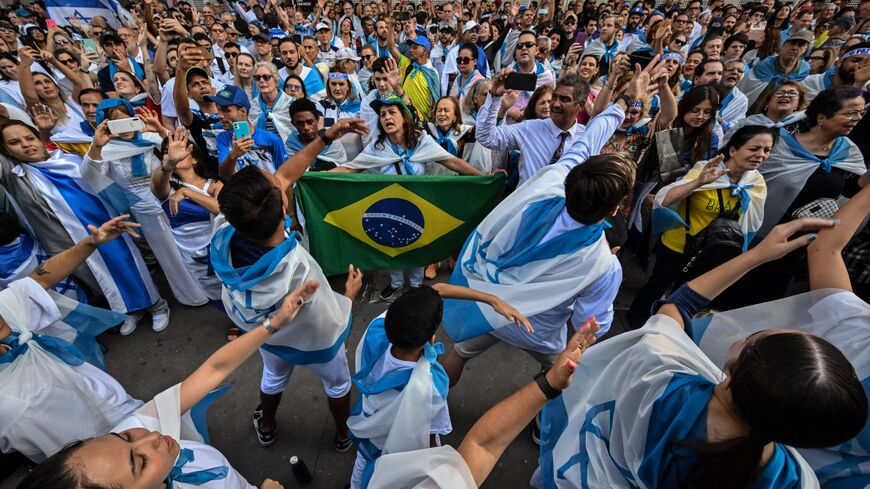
x=268 y=325
x=323 y=137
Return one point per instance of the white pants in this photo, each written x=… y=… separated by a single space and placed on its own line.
x=359 y=466
x=156 y=231
x=198 y=267
x=415 y=277
x=334 y=374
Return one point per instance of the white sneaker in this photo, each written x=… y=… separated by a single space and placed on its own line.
x=130 y=324
x=159 y=322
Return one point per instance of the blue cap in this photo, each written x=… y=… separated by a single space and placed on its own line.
x=230 y=95
x=421 y=40
x=636 y=10
x=23 y=13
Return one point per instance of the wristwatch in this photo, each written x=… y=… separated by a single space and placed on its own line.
x=268 y=325
x=627 y=99
x=323 y=137
x=548 y=390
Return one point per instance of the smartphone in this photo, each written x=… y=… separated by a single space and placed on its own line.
x=122 y=126
x=241 y=130
x=521 y=81
x=297 y=38
x=640 y=59
x=89 y=46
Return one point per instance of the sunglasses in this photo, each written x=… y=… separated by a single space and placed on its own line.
x=294 y=87
x=464 y=59
x=679 y=42
x=67 y=61
x=526 y=45
x=367 y=56
x=262 y=77
x=230 y=54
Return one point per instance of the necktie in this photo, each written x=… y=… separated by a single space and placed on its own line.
x=558 y=153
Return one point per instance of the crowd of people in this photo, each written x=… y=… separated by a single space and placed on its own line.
x=718 y=147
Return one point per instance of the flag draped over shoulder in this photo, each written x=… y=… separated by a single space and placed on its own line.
x=380 y=221
x=61 y=11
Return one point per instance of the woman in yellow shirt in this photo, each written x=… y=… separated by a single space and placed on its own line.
x=729 y=182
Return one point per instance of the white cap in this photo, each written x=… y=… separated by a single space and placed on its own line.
x=345 y=53
x=322 y=25
x=470 y=25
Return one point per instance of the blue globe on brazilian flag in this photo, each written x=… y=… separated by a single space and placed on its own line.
x=391 y=221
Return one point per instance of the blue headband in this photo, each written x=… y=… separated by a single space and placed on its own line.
x=673 y=55
x=339 y=76
x=856 y=52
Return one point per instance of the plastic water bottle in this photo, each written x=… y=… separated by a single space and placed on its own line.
x=300 y=471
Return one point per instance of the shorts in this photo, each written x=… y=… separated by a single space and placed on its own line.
x=475 y=346
x=334 y=374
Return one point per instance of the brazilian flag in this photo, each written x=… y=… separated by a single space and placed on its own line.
x=391 y=221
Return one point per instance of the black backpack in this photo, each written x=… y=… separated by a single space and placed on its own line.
x=719 y=242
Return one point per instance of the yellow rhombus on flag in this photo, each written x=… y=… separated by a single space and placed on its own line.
x=393 y=220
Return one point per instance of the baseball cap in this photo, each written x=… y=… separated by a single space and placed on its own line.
x=195 y=70
x=23 y=13
x=471 y=25
x=321 y=26
x=802 y=35
x=422 y=41
x=391 y=100
x=260 y=37
x=230 y=95
x=636 y=10
x=445 y=27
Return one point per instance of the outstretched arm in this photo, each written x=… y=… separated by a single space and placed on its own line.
x=293 y=168
x=497 y=428
x=229 y=357
x=774 y=246
x=61 y=265
x=825 y=254
x=510 y=313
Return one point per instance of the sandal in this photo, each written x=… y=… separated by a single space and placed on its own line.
x=342 y=445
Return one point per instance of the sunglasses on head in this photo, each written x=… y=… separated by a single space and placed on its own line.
x=262 y=77
x=526 y=45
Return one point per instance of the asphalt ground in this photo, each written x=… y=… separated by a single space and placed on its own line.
x=146 y=363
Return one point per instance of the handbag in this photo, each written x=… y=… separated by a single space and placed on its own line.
x=660 y=161
x=717 y=243
x=823 y=207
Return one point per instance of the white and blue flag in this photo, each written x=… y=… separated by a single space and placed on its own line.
x=61 y=11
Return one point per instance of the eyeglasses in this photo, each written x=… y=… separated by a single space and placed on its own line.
x=853 y=114
x=787 y=93
x=262 y=77
x=297 y=88
x=464 y=59
x=679 y=42
x=526 y=45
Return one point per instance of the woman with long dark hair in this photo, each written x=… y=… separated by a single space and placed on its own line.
x=730 y=183
x=188 y=192
x=689 y=421
x=696 y=115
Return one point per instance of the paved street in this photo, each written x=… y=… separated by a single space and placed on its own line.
x=146 y=363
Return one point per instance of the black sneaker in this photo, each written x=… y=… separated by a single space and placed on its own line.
x=342 y=445
x=387 y=293
x=265 y=439
x=536 y=430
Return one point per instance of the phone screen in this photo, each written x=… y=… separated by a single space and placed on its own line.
x=521 y=81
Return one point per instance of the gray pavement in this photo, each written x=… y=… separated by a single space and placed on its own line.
x=146 y=363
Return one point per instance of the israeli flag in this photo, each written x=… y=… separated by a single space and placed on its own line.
x=61 y=11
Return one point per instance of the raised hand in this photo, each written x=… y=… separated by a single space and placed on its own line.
x=563 y=370
x=241 y=147
x=640 y=80
x=394 y=75
x=151 y=121
x=497 y=89
x=102 y=135
x=178 y=147
x=778 y=243
x=293 y=303
x=346 y=126
x=111 y=229
x=175 y=200
x=353 y=284
x=43 y=117
x=712 y=171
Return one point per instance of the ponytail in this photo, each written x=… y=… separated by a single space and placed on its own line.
x=729 y=464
